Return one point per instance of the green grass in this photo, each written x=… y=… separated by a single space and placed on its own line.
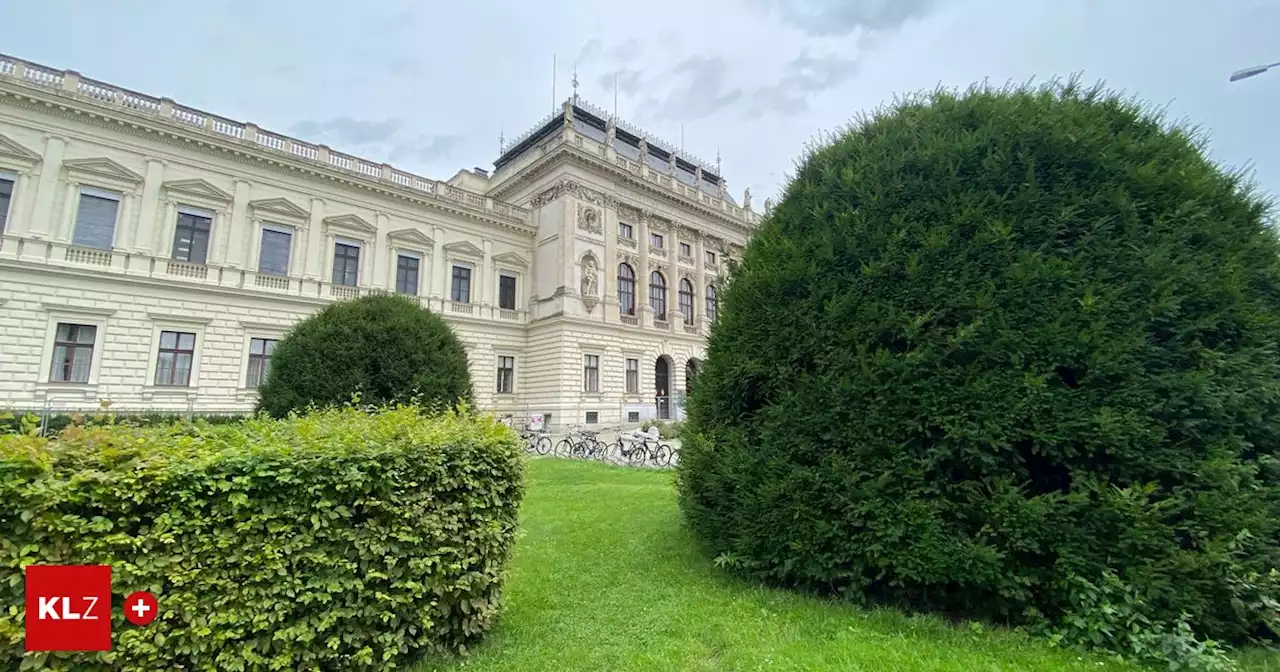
x=605 y=577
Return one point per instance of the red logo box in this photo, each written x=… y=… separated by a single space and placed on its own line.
x=68 y=608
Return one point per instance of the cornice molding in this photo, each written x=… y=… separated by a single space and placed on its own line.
x=195 y=139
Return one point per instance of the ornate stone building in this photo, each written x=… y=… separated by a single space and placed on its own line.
x=151 y=254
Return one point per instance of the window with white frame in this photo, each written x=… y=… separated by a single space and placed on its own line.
x=191 y=235
x=506 y=291
x=174 y=359
x=686 y=250
x=506 y=374
x=407 y=273
x=7 y=181
x=633 y=376
x=73 y=346
x=711 y=257
x=460 y=285
x=96 y=219
x=625 y=230
x=591 y=373
x=260 y=350
x=276 y=248
x=346 y=263
x=685 y=297
x=655 y=239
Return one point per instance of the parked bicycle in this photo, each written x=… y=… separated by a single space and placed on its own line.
x=644 y=447
x=537 y=441
x=582 y=443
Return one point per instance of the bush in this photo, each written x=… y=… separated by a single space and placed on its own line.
x=337 y=540
x=994 y=343
x=666 y=430
x=24 y=421
x=386 y=348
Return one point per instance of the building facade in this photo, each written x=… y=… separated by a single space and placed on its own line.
x=151 y=254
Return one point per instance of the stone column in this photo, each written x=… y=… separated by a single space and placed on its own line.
x=700 y=280
x=609 y=266
x=381 y=253
x=64 y=228
x=125 y=222
x=315 y=235
x=643 y=311
x=438 y=288
x=20 y=212
x=486 y=283
x=221 y=237
x=144 y=235
x=239 y=236
x=41 y=224
x=170 y=215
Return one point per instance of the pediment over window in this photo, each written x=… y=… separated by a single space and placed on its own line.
x=198 y=188
x=13 y=153
x=278 y=207
x=411 y=237
x=102 y=168
x=463 y=248
x=350 y=223
x=512 y=259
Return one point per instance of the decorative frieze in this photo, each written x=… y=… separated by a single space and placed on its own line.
x=627 y=242
x=571 y=187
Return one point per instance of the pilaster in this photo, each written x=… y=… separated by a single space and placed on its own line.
x=381 y=253
x=315 y=236
x=239 y=234
x=485 y=283
x=144 y=235
x=42 y=224
x=438 y=288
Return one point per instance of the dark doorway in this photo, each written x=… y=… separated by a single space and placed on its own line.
x=662 y=386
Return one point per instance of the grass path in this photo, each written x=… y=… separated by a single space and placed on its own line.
x=605 y=577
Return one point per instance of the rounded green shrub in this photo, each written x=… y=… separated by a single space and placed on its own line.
x=385 y=348
x=995 y=352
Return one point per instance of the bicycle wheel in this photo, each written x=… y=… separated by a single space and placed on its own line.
x=528 y=443
x=662 y=455
x=564 y=448
x=639 y=454
x=543 y=446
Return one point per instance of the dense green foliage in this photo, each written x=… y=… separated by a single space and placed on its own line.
x=335 y=540
x=385 y=348
x=23 y=421
x=992 y=349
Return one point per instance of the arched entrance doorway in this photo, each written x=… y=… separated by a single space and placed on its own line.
x=662 y=386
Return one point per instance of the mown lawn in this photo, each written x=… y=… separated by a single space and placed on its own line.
x=605 y=577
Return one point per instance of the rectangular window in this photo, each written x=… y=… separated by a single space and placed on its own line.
x=260 y=350
x=686 y=250
x=173 y=362
x=590 y=373
x=506 y=374
x=273 y=257
x=711 y=257
x=593 y=417
x=460 y=291
x=6 y=197
x=507 y=291
x=191 y=235
x=633 y=376
x=96 y=219
x=633 y=416
x=625 y=230
x=655 y=239
x=346 y=264
x=407 y=274
x=72 y=353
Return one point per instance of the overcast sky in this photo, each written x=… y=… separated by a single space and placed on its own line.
x=429 y=86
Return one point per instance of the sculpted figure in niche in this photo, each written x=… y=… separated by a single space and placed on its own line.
x=590 y=285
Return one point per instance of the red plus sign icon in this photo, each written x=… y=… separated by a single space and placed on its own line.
x=140 y=607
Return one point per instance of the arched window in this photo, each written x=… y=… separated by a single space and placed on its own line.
x=686 y=300
x=658 y=295
x=626 y=289
x=711 y=303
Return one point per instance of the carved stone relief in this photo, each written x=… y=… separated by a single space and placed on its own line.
x=589 y=219
x=590 y=281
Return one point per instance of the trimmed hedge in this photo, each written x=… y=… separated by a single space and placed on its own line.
x=386 y=348
x=1006 y=353
x=336 y=540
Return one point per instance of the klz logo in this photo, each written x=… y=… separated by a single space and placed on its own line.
x=68 y=608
